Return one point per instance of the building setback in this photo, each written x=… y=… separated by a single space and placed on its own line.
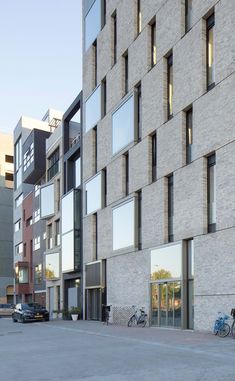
x=158 y=160
x=6 y=218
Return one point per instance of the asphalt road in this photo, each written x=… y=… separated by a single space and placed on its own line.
x=91 y=351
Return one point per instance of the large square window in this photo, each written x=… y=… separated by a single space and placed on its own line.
x=166 y=262
x=93 y=109
x=124 y=225
x=123 y=125
x=94 y=194
x=92 y=23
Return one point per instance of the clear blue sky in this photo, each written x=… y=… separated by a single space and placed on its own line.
x=40 y=59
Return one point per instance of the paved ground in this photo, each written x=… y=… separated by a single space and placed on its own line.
x=91 y=351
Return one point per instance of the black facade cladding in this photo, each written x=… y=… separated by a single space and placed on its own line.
x=37 y=167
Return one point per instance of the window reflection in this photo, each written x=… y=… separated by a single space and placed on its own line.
x=92 y=23
x=52 y=266
x=93 y=109
x=93 y=194
x=124 y=225
x=68 y=212
x=210 y=52
x=68 y=251
x=123 y=125
x=47 y=200
x=166 y=262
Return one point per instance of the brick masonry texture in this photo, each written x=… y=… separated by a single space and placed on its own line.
x=213 y=132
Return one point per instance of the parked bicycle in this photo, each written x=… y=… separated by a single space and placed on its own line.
x=106 y=313
x=232 y=328
x=221 y=328
x=139 y=318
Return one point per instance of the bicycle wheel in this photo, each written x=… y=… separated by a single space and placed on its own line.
x=132 y=321
x=224 y=331
x=233 y=329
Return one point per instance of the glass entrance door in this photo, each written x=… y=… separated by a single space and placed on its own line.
x=166 y=304
x=94 y=304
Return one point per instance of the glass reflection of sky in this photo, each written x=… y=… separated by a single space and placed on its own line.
x=67 y=212
x=123 y=226
x=92 y=23
x=168 y=259
x=93 y=109
x=77 y=172
x=123 y=125
x=47 y=200
x=68 y=251
x=93 y=194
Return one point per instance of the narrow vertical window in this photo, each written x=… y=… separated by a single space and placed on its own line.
x=170 y=86
x=170 y=208
x=126 y=173
x=103 y=13
x=96 y=236
x=95 y=148
x=95 y=62
x=188 y=15
x=190 y=277
x=210 y=23
x=139 y=17
x=139 y=200
x=189 y=135
x=103 y=97
x=211 y=192
x=154 y=157
x=114 y=17
x=105 y=187
x=125 y=57
x=153 y=44
x=139 y=111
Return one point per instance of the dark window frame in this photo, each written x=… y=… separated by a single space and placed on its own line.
x=211 y=162
x=169 y=68
x=170 y=208
x=53 y=164
x=189 y=125
x=154 y=156
x=210 y=23
x=153 y=44
x=114 y=19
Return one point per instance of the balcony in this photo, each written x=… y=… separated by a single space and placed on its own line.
x=34 y=156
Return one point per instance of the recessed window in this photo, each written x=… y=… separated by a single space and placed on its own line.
x=139 y=111
x=166 y=262
x=103 y=12
x=211 y=192
x=23 y=275
x=154 y=157
x=9 y=176
x=36 y=243
x=95 y=63
x=57 y=232
x=123 y=125
x=92 y=23
x=139 y=204
x=93 y=109
x=210 y=24
x=77 y=170
x=19 y=249
x=17 y=225
x=189 y=135
x=49 y=237
x=95 y=147
x=126 y=156
x=93 y=190
x=38 y=274
x=37 y=190
x=9 y=159
x=36 y=215
x=18 y=200
x=103 y=97
x=153 y=44
x=29 y=221
x=126 y=70
x=170 y=86
x=53 y=164
x=188 y=15
x=170 y=208
x=124 y=225
x=139 y=16
x=114 y=24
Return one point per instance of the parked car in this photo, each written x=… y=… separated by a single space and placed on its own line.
x=6 y=309
x=24 y=312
